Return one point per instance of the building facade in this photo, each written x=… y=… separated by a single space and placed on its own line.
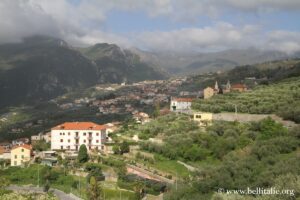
x=20 y=155
x=70 y=135
x=181 y=104
x=239 y=87
x=208 y=92
x=203 y=118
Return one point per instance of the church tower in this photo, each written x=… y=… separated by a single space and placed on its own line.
x=228 y=85
x=216 y=86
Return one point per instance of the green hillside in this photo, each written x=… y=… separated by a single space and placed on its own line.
x=227 y=155
x=282 y=98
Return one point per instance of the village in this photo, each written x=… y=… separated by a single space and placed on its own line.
x=69 y=136
x=59 y=147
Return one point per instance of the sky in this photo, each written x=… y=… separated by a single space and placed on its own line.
x=183 y=26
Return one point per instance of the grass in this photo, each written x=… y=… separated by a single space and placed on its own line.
x=168 y=166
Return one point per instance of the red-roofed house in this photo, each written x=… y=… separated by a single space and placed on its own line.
x=181 y=104
x=20 y=154
x=239 y=87
x=70 y=135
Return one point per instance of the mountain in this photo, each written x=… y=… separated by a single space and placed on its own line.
x=120 y=65
x=182 y=64
x=41 y=68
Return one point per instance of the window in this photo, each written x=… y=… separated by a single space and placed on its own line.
x=198 y=116
x=63 y=133
x=68 y=147
x=97 y=134
x=22 y=156
x=22 y=150
x=61 y=147
x=69 y=141
x=97 y=141
x=84 y=134
x=15 y=163
x=69 y=133
x=61 y=140
x=84 y=141
x=16 y=156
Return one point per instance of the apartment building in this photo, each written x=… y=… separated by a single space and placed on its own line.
x=70 y=135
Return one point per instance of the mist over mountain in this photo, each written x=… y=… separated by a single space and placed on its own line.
x=183 y=64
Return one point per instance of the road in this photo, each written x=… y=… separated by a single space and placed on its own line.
x=31 y=189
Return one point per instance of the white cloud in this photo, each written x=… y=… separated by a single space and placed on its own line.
x=82 y=24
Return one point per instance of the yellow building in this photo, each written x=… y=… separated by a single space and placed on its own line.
x=20 y=154
x=203 y=118
x=208 y=92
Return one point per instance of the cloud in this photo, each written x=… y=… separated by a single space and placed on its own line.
x=219 y=37
x=212 y=38
x=83 y=23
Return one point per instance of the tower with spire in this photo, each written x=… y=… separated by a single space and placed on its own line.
x=216 y=89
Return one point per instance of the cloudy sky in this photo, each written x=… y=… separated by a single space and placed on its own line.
x=157 y=25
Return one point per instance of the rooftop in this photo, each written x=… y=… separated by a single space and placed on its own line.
x=183 y=99
x=238 y=85
x=79 y=126
x=25 y=146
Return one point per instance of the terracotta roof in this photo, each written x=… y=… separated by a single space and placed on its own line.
x=238 y=86
x=2 y=150
x=183 y=99
x=79 y=126
x=25 y=146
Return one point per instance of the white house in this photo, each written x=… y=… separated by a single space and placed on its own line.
x=180 y=104
x=70 y=135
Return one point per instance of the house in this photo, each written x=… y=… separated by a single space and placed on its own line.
x=181 y=104
x=46 y=137
x=226 y=88
x=6 y=145
x=70 y=135
x=208 y=92
x=239 y=87
x=20 y=141
x=20 y=154
x=203 y=118
x=48 y=158
x=141 y=117
x=112 y=127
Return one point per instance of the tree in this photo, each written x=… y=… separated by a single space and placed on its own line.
x=95 y=171
x=46 y=186
x=82 y=154
x=116 y=149
x=3 y=182
x=94 y=189
x=139 y=190
x=156 y=111
x=124 y=148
